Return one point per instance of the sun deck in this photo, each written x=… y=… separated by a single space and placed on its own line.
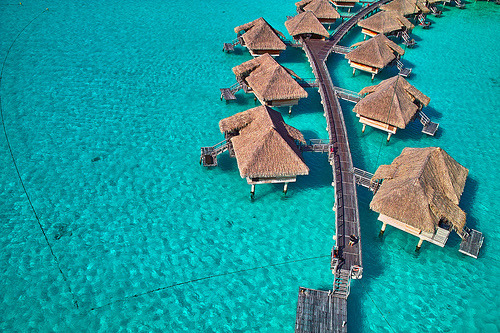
x=320 y=311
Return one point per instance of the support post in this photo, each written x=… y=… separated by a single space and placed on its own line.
x=353 y=71
x=419 y=245
x=363 y=129
x=373 y=76
x=383 y=229
x=285 y=188
x=290 y=110
x=364 y=37
x=252 y=191
x=389 y=137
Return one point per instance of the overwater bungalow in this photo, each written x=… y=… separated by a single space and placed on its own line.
x=419 y=194
x=271 y=83
x=374 y=54
x=406 y=7
x=306 y=25
x=387 y=23
x=266 y=149
x=322 y=9
x=260 y=38
x=390 y=105
x=345 y=3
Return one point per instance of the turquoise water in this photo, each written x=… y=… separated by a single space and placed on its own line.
x=136 y=86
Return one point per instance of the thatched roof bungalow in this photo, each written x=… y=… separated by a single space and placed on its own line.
x=260 y=38
x=406 y=7
x=271 y=83
x=389 y=105
x=322 y=9
x=306 y=25
x=266 y=148
x=387 y=23
x=374 y=54
x=419 y=194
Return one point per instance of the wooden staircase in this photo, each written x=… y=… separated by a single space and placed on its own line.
x=403 y=71
x=422 y=22
x=228 y=94
x=209 y=154
x=229 y=47
x=407 y=40
x=342 y=284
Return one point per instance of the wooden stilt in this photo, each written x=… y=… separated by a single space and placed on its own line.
x=285 y=188
x=364 y=37
x=252 y=191
x=290 y=110
x=363 y=129
x=389 y=137
x=419 y=245
x=383 y=229
x=353 y=71
x=373 y=76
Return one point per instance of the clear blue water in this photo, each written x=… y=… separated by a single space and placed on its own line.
x=136 y=84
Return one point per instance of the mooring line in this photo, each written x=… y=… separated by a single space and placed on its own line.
x=75 y=302
x=201 y=279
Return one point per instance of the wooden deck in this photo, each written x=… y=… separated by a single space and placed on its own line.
x=472 y=243
x=320 y=312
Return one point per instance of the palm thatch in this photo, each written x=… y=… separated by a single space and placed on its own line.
x=376 y=52
x=264 y=145
x=306 y=24
x=260 y=36
x=269 y=80
x=386 y=23
x=322 y=9
x=421 y=187
x=406 y=7
x=393 y=101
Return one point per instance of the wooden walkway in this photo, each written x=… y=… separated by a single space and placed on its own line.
x=346 y=203
x=346 y=258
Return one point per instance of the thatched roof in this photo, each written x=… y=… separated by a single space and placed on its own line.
x=406 y=7
x=265 y=145
x=393 y=101
x=377 y=52
x=421 y=187
x=306 y=23
x=322 y=9
x=386 y=22
x=269 y=80
x=259 y=35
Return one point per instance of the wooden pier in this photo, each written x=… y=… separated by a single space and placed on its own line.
x=346 y=261
x=320 y=312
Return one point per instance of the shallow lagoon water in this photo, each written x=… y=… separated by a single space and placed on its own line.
x=136 y=86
